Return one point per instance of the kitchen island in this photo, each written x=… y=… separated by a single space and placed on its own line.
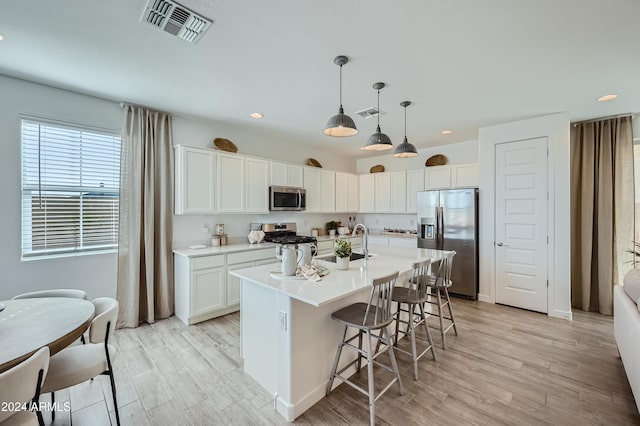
x=288 y=339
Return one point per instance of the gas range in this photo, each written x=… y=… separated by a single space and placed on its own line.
x=284 y=233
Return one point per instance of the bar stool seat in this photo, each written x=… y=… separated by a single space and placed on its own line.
x=368 y=318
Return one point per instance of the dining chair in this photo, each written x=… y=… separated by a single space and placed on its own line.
x=440 y=281
x=20 y=388
x=60 y=292
x=368 y=318
x=77 y=364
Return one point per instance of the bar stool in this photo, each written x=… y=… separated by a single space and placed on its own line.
x=414 y=296
x=440 y=281
x=368 y=318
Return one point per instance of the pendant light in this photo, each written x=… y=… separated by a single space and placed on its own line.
x=405 y=149
x=378 y=141
x=340 y=124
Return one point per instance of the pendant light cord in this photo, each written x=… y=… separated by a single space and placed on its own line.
x=405 y=123
x=378 y=108
x=340 y=86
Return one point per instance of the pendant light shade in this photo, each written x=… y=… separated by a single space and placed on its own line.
x=378 y=141
x=405 y=149
x=340 y=124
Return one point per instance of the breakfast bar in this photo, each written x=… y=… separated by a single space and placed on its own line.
x=288 y=339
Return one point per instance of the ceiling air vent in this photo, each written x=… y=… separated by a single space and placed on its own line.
x=175 y=19
x=370 y=112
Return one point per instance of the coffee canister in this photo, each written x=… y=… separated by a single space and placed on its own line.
x=215 y=240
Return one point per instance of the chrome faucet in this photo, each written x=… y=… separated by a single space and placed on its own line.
x=365 y=241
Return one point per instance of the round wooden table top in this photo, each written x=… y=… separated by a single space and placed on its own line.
x=27 y=325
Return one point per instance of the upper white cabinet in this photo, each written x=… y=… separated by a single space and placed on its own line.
x=194 y=180
x=327 y=191
x=382 y=190
x=398 y=192
x=437 y=177
x=415 y=184
x=230 y=183
x=256 y=186
x=464 y=176
x=283 y=174
x=367 y=193
x=346 y=193
x=312 y=186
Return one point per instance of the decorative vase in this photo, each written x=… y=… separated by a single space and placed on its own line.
x=342 y=263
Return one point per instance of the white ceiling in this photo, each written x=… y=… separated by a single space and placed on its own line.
x=464 y=64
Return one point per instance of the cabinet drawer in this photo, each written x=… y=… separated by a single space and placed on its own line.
x=207 y=262
x=251 y=256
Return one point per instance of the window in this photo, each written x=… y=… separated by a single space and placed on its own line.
x=70 y=189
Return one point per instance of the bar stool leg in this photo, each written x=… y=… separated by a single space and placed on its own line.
x=372 y=398
x=455 y=329
x=426 y=329
x=414 y=352
x=392 y=355
x=398 y=313
x=335 y=361
x=440 y=314
x=359 y=364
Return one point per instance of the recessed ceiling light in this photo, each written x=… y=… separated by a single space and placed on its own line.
x=1 y=37
x=446 y=132
x=256 y=115
x=606 y=98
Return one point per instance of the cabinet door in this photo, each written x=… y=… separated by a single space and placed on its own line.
x=327 y=191
x=278 y=174
x=294 y=176
x=342 y=192
x=194 y=180
x=352 y=193
x=208 y=291
x=437 y=177
x=382 y=192
x=398 y=192
x=312 y=185
x=325 y=247
x=233 y=283
x=464 y=176
x=230 y=184
x=256 y=188
x=367 y=193
x=415 y=184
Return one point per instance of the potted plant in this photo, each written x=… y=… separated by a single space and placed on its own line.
x=332 y=226
x=342 y=250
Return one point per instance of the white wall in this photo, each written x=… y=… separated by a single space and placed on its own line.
x=556 y=129
x=95 y=274
x=458 y=153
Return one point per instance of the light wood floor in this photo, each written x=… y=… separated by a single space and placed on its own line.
x=507 y=366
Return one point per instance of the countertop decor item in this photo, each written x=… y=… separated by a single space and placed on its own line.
x=405 y=149
x=342 y=250
x=225 y=145
x=340 y=124
x=436 y=160
x=313 y=162
x=378 y=168
x=378 y=141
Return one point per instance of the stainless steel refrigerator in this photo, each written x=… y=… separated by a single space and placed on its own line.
x=448 y=220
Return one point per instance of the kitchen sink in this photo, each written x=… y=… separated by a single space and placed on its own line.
x=354 y=256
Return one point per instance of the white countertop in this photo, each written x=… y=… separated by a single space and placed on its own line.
x=371 y=234
x=231 y=248
x=338 y=284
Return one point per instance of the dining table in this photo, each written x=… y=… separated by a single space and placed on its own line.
x=27 y=325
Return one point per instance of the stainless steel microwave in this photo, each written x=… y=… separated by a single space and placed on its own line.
x=287 y=198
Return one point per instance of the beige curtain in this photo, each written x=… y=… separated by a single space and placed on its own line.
x=145 y=262
x=602 y=210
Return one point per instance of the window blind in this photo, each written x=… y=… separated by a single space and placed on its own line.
x=70 y=189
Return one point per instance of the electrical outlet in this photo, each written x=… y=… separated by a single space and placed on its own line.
x=283 y=320
x=205 y=227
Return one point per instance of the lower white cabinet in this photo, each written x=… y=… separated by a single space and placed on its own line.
x=203 y=287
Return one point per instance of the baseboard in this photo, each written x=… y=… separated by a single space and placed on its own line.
x=485 y=298
x=568 y=315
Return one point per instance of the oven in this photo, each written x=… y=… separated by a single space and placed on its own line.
x=287 y=198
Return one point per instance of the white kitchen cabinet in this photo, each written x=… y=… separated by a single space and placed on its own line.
x=200 y=287
x=374 y=240
x=415 y=184
x=353 y=199
x=312 y=186
x=437 y=177
x=346 y=193
x=230 y=184
x=367 y=193
x=325 y=247
x=194 y=180
x=403 y=242
x=382 y=190
x=256 y=186
x=283 y=174
x=464 y=176
x=398 y=192
x=327 y=191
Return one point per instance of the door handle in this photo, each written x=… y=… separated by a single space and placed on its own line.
x=501 y=244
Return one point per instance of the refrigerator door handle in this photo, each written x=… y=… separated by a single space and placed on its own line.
x=440 y=227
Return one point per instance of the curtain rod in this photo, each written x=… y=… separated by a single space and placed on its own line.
x=628 y=114
x=125 y=104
